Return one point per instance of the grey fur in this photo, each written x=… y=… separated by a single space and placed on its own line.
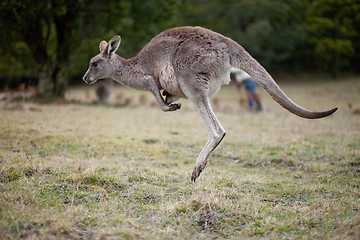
x=188 y=62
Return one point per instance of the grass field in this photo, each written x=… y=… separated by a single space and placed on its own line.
x=88 y=171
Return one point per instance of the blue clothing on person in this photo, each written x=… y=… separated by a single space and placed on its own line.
x=250 y=85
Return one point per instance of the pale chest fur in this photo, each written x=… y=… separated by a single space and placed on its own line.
x=168 y=81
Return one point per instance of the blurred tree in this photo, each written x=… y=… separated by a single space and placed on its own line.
x=46 y=27
x=272 y=29
x=145 y=19
x=334 y=33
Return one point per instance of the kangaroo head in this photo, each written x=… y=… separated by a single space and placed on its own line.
x=101 y=66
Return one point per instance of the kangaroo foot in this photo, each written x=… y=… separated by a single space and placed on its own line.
x=196 y=173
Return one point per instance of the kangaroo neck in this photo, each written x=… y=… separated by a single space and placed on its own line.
x=129 y=72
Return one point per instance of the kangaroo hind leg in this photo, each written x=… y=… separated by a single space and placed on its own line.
x=215 y=131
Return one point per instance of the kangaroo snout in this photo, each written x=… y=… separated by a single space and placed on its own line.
x=87 y=79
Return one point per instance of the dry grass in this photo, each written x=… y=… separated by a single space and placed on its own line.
x=86 y=171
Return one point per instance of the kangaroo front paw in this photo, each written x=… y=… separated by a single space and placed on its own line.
x=171 y=107
x=196 y=173
x=175 y=106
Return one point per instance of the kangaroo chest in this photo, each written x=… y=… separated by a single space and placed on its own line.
x=168 y=81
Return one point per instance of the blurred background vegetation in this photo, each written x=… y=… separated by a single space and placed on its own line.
x=48 y=44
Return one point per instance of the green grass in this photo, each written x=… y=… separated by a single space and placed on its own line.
x=76 y=171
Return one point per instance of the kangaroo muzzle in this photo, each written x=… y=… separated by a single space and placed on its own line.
x=88 y=79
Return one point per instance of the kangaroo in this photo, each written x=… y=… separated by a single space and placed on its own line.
x=192 y=63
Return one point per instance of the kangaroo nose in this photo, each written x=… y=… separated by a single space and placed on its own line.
x=88 y=79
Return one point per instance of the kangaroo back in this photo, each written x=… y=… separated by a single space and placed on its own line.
x=240 y=58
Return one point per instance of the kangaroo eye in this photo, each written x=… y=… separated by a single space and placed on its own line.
x=95 y=64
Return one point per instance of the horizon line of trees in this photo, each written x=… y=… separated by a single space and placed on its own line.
x=52 y=41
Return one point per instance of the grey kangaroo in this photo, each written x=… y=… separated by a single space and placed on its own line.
x=192 y=63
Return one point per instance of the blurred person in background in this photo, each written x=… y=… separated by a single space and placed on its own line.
x=241 y=78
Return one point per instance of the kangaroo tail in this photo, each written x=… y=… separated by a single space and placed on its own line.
x=243 y=60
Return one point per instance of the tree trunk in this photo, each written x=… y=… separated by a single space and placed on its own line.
x=63 y=21
x=45 y=85
x=61 y=79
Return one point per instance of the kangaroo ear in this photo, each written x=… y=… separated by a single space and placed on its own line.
x=113 y=45
x=102 y=45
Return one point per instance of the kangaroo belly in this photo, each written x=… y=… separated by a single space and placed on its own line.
x=218 y=81
x=168 y=82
